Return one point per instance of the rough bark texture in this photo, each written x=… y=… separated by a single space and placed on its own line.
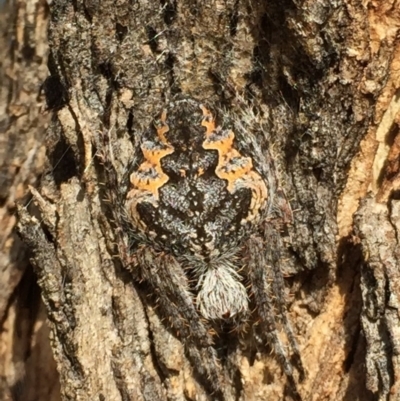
x=27 y=367
x=325 y=75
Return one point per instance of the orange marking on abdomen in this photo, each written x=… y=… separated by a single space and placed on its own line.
x=208 y=121
x=243 y=175
x=226 y=153
x=163 y=129
x=150 y=176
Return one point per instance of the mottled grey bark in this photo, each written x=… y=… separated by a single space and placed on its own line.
x=377 y=226
x=27 y=368
x=321 y=75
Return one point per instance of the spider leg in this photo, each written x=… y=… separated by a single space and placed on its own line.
x=258 y=274
x=278 y=288
x=170 y=285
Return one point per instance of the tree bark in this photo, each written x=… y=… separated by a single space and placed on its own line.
x=322 y=76
x=27 y=367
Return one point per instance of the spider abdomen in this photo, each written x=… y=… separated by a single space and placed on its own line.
x=193 y=190
x=195 y=195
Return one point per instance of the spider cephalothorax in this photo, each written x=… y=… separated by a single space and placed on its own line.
x=201 y=205
x=197 y=196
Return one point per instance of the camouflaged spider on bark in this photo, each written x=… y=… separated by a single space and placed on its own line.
x=202 y=204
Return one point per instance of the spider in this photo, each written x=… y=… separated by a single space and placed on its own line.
x=204 y=214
